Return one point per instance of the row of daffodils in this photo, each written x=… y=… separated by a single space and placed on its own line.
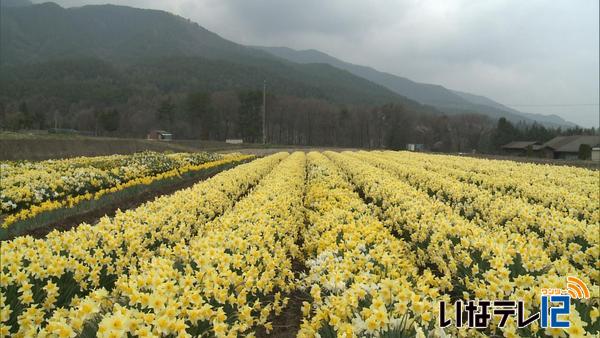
x=42 y=280
x=31 y=188
x=362 y=280
x=470 y=257
x=370 y=243
x=559 y=234
x=572 y=191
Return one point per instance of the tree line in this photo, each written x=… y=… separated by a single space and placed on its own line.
x=290 y=120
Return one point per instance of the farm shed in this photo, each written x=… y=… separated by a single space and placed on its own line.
x=567 y=147
x=596 y=154
x=415 y=147
x=520 y=148
x=160 y=135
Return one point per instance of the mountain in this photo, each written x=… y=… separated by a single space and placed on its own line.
x=544 y=119
x=424 y=93
x=444 y=99
x=132 y=40
x=115 y=33
x=122 y=71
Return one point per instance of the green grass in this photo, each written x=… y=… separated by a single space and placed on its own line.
x=113 y=199
x=37 y=145
x=36 y=135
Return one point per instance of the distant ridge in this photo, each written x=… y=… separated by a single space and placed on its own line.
x=144 y=44
x=446 y=100
x=152 y=41
x=551 y=119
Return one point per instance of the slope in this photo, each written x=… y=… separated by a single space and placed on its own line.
x=545 y=119
x=130 y=38
x=447 y=100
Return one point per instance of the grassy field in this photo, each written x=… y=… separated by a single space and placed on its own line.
x=36 y=146
x=43 y=146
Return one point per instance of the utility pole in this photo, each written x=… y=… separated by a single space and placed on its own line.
x=264 y=113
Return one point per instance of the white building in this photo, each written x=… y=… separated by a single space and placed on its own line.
x=596 y=154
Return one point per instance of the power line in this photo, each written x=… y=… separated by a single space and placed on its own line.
x=524 y=104
x=264 y=113
x=555 y=105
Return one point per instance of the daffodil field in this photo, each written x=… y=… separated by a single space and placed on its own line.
x=30 y=188
x=368 y=243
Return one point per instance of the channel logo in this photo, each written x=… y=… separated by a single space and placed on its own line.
x=556 y=302
x=577 y=288
x=555 y=306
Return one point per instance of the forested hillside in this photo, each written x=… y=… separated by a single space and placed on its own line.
x=82 y=67
x=446 y=100
x=147 y=43
x=122 y=71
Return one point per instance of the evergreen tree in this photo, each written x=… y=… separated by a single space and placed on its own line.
x=199 y=113
x=505 y=132
x=109 y=120
x=166 y=112
x=585 y=152
x=249 y=115
x=27 y=119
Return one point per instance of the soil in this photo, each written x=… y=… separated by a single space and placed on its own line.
x=287 y=324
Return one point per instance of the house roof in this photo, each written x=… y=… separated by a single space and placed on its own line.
x=537 y=147
x=570 y=144
x=519 y=144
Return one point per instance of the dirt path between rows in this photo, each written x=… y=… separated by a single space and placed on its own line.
x=287 y=323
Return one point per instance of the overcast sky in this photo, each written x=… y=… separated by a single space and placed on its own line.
x=538 y=56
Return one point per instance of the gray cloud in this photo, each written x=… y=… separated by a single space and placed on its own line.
x=517 y=52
